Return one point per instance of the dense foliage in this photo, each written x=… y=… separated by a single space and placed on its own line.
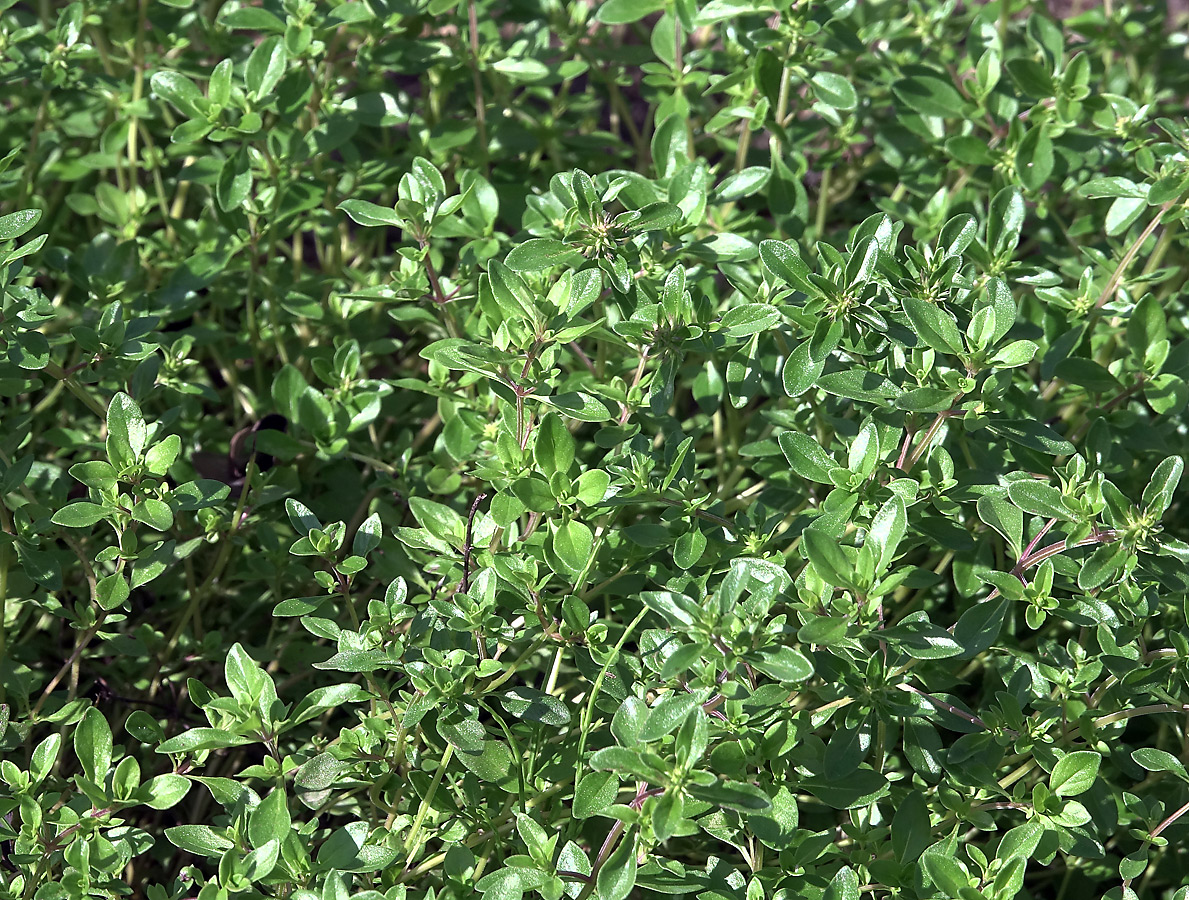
x=710 y=448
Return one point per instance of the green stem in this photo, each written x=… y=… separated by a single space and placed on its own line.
x=6 y=560
x=588 y=713
x=212 y=577
x=423 y=810
x=54 y=370
x=480 y=102
x=823 y=207
x=1117 y=276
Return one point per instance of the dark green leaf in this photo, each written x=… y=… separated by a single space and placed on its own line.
x=1075 y=773
x=834 y=90
x=930 y=94
x=806 y=457
x=364 y=213
x=535 y=706
x=536 y=254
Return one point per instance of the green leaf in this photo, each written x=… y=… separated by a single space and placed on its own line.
x=198 y=739
x=536 y=254
x=823 y=630
x=956 y=235
x=653 y=217
x=1159 y=491
x=1034 y=158
x=978 y=628
x=522 y=69
x=1101 y=565
x=1123 y=212
x=164 y=791
x=783 y=259
x=922 y=640
x=144 y=728
x=802 y=369
x=666 y=815
x=359 y=661
x=493 y=763
x=127 y=433
x=554 y=447
x=179 y=91
x=321 y=772
x=749 y=319
x=13 y=225
x=888 y=528
x=270 y=820
x=591 y=486
x=946 y=873
x=573 y=542
x=1113 y=186
x=1021 y=841
x=534 y=706
x=930 y=93
x=859 y=384
x=1005 y=221
x=81 y=514
x=1159 y=761
x=860 y=268
x=1075 y=773
x=595 y=793
x=369 y=535
x=934 y=326
x=777 y=825
x=834 y=90
x=251 y=18
x=1031 y=434
x=805 y=456
x=93 y=745
x=201 y=840
x=744 y=183
x=828 y=559
x=579 y=406
x=911 y=828
x=926 y=399
x=862 y=787
x=783 y=664
x=735 y=795
x=664 y=718
x=154 y=513
x=1017 y=353
x=159 y=457
x=1030 y=76
x=364 y=213
x=1038 y=498
x=1146 y=326
x=112 y=590
x=677 y=609
x=265 y=66
x=235 y=182
x=510 y=292
x=617 y=876
x=689 y=548
x=438 y=519
x=510 y=883
x=347 y=850
x=843 y=886
x=624 y=12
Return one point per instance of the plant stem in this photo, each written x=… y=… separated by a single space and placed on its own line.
x=1117 y=276
x=588 y=712
x=477 y=80
x=423 y=810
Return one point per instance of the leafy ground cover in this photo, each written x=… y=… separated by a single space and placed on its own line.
x=701 y=448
